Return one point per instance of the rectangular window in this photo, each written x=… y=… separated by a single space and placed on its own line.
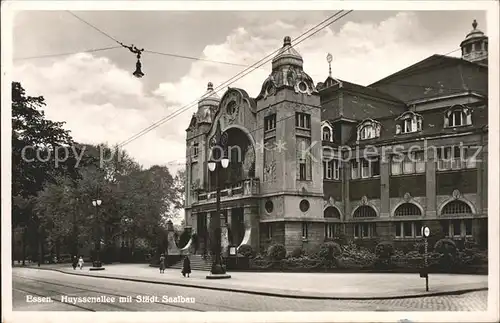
x=456 y=118
x=408 y=165
x=408 y=229
x=195 y=150
x=398 y=230
x=330 y=230
x=365 y=168
x=468 y=227
x=455 y=228
x=354 y=169
x=375 y=167
x=269 y=230
x=302 y=170
x=407 y=126
x=454 y=158
x=364 y=230
x=270 y=122
x=305 y=230
x=419 y=158
x=418 y=229
x=302 y=120
x=396 y=165
x=336 y=169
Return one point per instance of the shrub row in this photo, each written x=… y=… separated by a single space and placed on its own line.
x=445 y=257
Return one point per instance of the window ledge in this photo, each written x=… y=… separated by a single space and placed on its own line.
x=459 y=127
x=406 y=175
x=304 y=239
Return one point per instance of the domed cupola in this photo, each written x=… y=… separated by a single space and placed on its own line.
x=475 y=45
x=208 y=105
x=287 y=72
x=287 y=55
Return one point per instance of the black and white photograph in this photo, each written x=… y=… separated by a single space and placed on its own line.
x=257 y=161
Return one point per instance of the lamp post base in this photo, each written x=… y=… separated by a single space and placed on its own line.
x=218 y=276
x=218 y=272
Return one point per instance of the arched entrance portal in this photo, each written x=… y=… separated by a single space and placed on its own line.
x=241 y=153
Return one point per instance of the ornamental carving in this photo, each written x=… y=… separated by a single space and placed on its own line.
x=456 y=194
x=407 y=197
x=329 y=202
x=364 y=200
x=270 y=172
x=249 y=161
x=195 y=185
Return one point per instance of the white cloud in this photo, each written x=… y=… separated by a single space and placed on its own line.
x=103 y=103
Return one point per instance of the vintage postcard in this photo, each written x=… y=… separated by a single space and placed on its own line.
x=250 y=161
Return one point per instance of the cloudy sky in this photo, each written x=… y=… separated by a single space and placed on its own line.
x=100 y=101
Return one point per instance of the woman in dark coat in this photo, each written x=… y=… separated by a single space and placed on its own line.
x=74 y=262
x=162 y=264
x=186 y=267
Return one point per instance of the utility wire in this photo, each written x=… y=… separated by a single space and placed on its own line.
x=66 y=54
x=235 y=78
x=95 y=28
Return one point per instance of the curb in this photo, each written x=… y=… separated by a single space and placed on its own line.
x=274 y=294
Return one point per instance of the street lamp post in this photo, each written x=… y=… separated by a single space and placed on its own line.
x=215 y=165
x=96 y=264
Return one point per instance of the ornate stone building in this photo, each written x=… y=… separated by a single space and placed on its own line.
x=406 y=151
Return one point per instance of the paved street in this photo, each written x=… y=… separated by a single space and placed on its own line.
x=30 y=283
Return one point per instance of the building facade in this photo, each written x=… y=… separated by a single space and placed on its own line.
x=311 y=162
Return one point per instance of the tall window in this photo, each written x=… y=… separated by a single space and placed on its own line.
x=364 y=230
x=326 y=133
x=411 y=122
x=458 y=116
x=456 y=157
x=302 y=170
x=269 y=229
x=458 y=228
x=365 y=168
x=305 y=230
x=302 y=120
x=367 y=132
x=332 y=230
x=410 y=163
x=195 y=149
x=304 y=160
x=331 y=169
x=408 y=229
x=270 y=122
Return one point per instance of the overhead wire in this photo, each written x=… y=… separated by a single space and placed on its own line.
x=235 y=78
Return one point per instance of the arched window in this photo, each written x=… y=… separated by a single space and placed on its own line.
x=326 y=131
x=408 y=122
x=407 y=209
x=331 y=212
x=458 y=116
x=326 y=134
x=368 y=129
x=365 y=212
x=456 y=207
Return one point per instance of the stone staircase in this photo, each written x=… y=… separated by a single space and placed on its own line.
x=197 y=263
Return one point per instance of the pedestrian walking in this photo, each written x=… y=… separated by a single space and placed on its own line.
x=80 y=263
x=74 y=262
x=186 y=267
x=162 y=264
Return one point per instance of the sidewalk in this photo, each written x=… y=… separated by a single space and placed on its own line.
x=297 y=285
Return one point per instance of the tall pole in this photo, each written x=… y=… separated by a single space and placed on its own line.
x=425 y=264
x=215 y=220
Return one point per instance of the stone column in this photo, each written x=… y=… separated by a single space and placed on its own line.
x=384 y=189
x=346 y=179
x=430 y=178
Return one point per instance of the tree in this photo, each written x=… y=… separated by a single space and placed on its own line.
x=34 y=142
